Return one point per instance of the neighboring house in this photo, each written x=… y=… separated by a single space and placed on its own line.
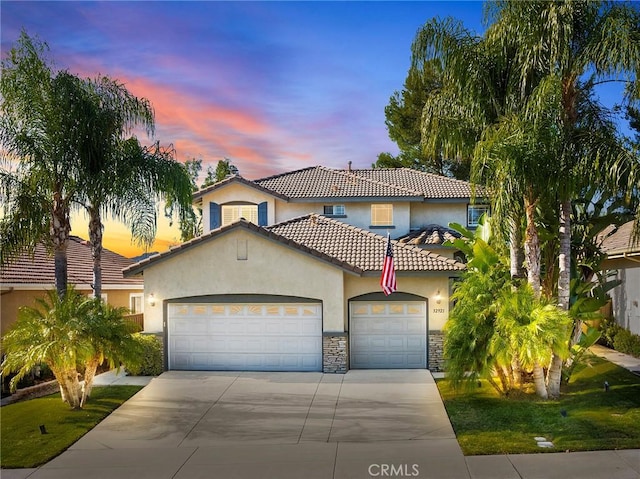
x=28 y=277
x=623 y=255
x=286 y=275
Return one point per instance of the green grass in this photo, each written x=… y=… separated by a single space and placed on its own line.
x=486 y=423
x=22 y=444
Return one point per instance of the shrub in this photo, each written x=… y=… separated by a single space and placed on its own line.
x=627 y=342
x=609 y=329
x=151 y=364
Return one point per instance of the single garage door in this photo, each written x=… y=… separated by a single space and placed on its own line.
x=245 y=336
x=388 y=335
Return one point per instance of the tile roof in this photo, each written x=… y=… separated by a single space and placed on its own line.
x=358 y=247
x=39 y=268
x=619 y=240
x=432 y=235
x=429 y=185
x=348 y=247
x=321 y=182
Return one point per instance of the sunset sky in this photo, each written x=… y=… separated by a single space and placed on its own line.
x=274 y=86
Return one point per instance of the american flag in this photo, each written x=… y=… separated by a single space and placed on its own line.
x=388 y=278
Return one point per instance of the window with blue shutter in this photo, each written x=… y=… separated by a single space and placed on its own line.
x=214 y=216
x=263 y=219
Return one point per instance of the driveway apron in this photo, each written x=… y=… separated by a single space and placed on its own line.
x=271 y=425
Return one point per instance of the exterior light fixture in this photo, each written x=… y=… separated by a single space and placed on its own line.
x=438 y=297
x=151 y=300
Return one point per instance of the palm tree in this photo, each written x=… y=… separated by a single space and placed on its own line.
x=39 y=129
x=529 y=331
x=68 y=135
x=51 y=332
x=110 y=338
x=575 y=45
x=120 y=177
x=470 y=329
x=67 y=333
x=530 y=69
x=578 y=44
x=478 y=88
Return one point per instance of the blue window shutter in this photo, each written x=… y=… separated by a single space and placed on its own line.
x=263 y=219
x=214 y=216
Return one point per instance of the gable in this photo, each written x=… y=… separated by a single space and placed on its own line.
x=349 y=248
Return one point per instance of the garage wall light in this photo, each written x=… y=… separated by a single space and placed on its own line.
x=151 y=300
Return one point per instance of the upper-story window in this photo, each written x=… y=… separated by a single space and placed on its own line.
x=381 y=215
x=474 y=212
x=232 y=213
x=334 y=210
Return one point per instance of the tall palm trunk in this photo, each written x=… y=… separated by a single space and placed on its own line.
x=554 y=374
x=59 y=229
x=515 y=250
x=564 y=258
x=95 y=237
x=532 y=247
x=538 y=381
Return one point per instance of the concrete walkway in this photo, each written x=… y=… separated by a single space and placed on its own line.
x=621 y=359
x=363 y=424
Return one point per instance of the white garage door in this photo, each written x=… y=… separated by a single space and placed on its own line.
x=388 y=335
x=245 y=337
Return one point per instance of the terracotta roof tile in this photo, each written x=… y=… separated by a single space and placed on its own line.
x=429 y=185
x=321 y=182
x=351 y=248
x=39 y=268
x=430 y=235
x=357 y=247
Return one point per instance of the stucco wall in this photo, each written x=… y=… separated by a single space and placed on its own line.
x=426 y=287
x=357 y=214
x=11 y=301
x=423 y=214
x=236 y=192
x=626 y=299
x=271 y=268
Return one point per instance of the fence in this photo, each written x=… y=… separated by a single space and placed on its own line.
x=138 y=319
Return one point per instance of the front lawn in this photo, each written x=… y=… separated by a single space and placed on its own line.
x=23 y=445
x=585 y=418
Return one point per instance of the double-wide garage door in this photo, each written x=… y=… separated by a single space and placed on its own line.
x=245 y=336
x=388 y=334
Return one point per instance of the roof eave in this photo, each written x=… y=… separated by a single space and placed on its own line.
x=354 y=199
x=138 y=268
x=197 y=196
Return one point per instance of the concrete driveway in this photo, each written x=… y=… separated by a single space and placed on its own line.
x=272 y=425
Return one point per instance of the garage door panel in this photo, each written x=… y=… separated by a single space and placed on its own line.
x=388 y=335
x=275 y=337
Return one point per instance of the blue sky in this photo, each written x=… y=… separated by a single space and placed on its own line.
x=272 y=85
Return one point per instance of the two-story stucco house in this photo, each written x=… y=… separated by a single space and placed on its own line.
x=286 y=275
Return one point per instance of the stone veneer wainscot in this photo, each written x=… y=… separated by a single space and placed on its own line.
x=335 y=352
x=436 y=356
